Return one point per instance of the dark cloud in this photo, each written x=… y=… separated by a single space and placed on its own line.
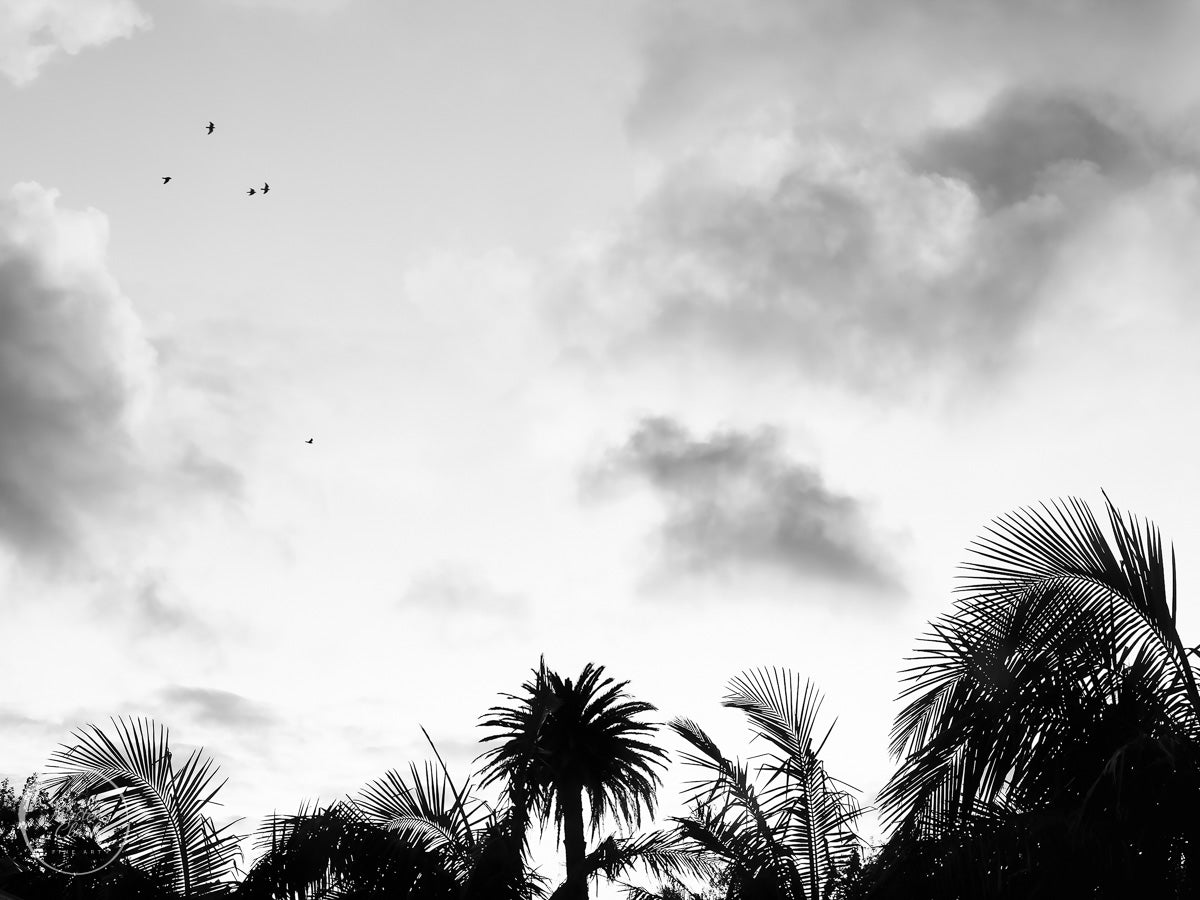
x=216 y=707
x=77 y=380
x=1014 y=149
x=736 y=499
x=887 y=195
x=889 y=270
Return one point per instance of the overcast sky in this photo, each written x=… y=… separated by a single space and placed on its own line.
x=681 y=337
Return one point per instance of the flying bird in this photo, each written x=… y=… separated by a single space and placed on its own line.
x=251 y=192
x=211 y=126
x=166 y=178
x=309 y=441
x=266 y=187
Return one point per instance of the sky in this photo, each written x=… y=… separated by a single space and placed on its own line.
x=682 y=338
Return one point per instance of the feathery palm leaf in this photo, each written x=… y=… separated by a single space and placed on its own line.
x=161 y=809
x=1058 y=693
x=420 y=838
x=338 y=853
x=792 y=836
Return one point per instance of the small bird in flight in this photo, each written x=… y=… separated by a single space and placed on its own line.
x=251 y=192
x=211 y=126
x=266 y=187
x=166 y=178
x=309 y=441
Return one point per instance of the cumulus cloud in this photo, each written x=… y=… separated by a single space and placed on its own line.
x=735 y=499
x=78 y=380
x=33 y=32
x=884 y=196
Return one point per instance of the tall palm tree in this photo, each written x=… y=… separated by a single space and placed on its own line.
x=1053 y=738
x=789 y=837
x=161 y=811
x=563 y=741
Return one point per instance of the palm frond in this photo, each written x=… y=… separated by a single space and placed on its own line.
x=161 y=808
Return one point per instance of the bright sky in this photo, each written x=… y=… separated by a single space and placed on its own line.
x=683 y=338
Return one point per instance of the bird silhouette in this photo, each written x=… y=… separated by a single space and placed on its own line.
x=211 y=126
x=309 y=441
x=166 y=178
x=251 y=192
x=266 y=187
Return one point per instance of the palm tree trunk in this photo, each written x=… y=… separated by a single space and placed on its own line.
x=573 y=842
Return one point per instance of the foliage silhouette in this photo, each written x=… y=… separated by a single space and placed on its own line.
x=419 y=837
x=1049 y=747
x=565 y=740
x=1052 y=742
x=789 y=835
x=63 y=835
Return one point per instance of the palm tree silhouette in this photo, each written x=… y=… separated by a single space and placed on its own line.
x=1053 y=738
x=789 y=835
x=161 y=810
x=564 y=740
x=419 y=837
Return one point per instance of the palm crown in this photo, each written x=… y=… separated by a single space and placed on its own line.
x=563 y=740
x=580 y=733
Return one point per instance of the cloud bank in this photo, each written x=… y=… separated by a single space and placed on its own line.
x=78 y=380
x=735 y=500
x=887 y=197
x=33 y=32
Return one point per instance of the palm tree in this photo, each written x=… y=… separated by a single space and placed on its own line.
x=419 y=837
x=789 y=837
x=160 y=811
x=563 y=741
x=1053 y=738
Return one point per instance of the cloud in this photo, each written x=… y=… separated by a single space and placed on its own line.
x=900 y=65
x=887 y=270
x=75 y=371
x=210 y=706
x=873 y=194
x=1025 y=138
x=450 y=589
x=735 y=499
x=155 y=613
x=310 y=7
x=78 y=384
x=12 y=721
x=33 y=32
